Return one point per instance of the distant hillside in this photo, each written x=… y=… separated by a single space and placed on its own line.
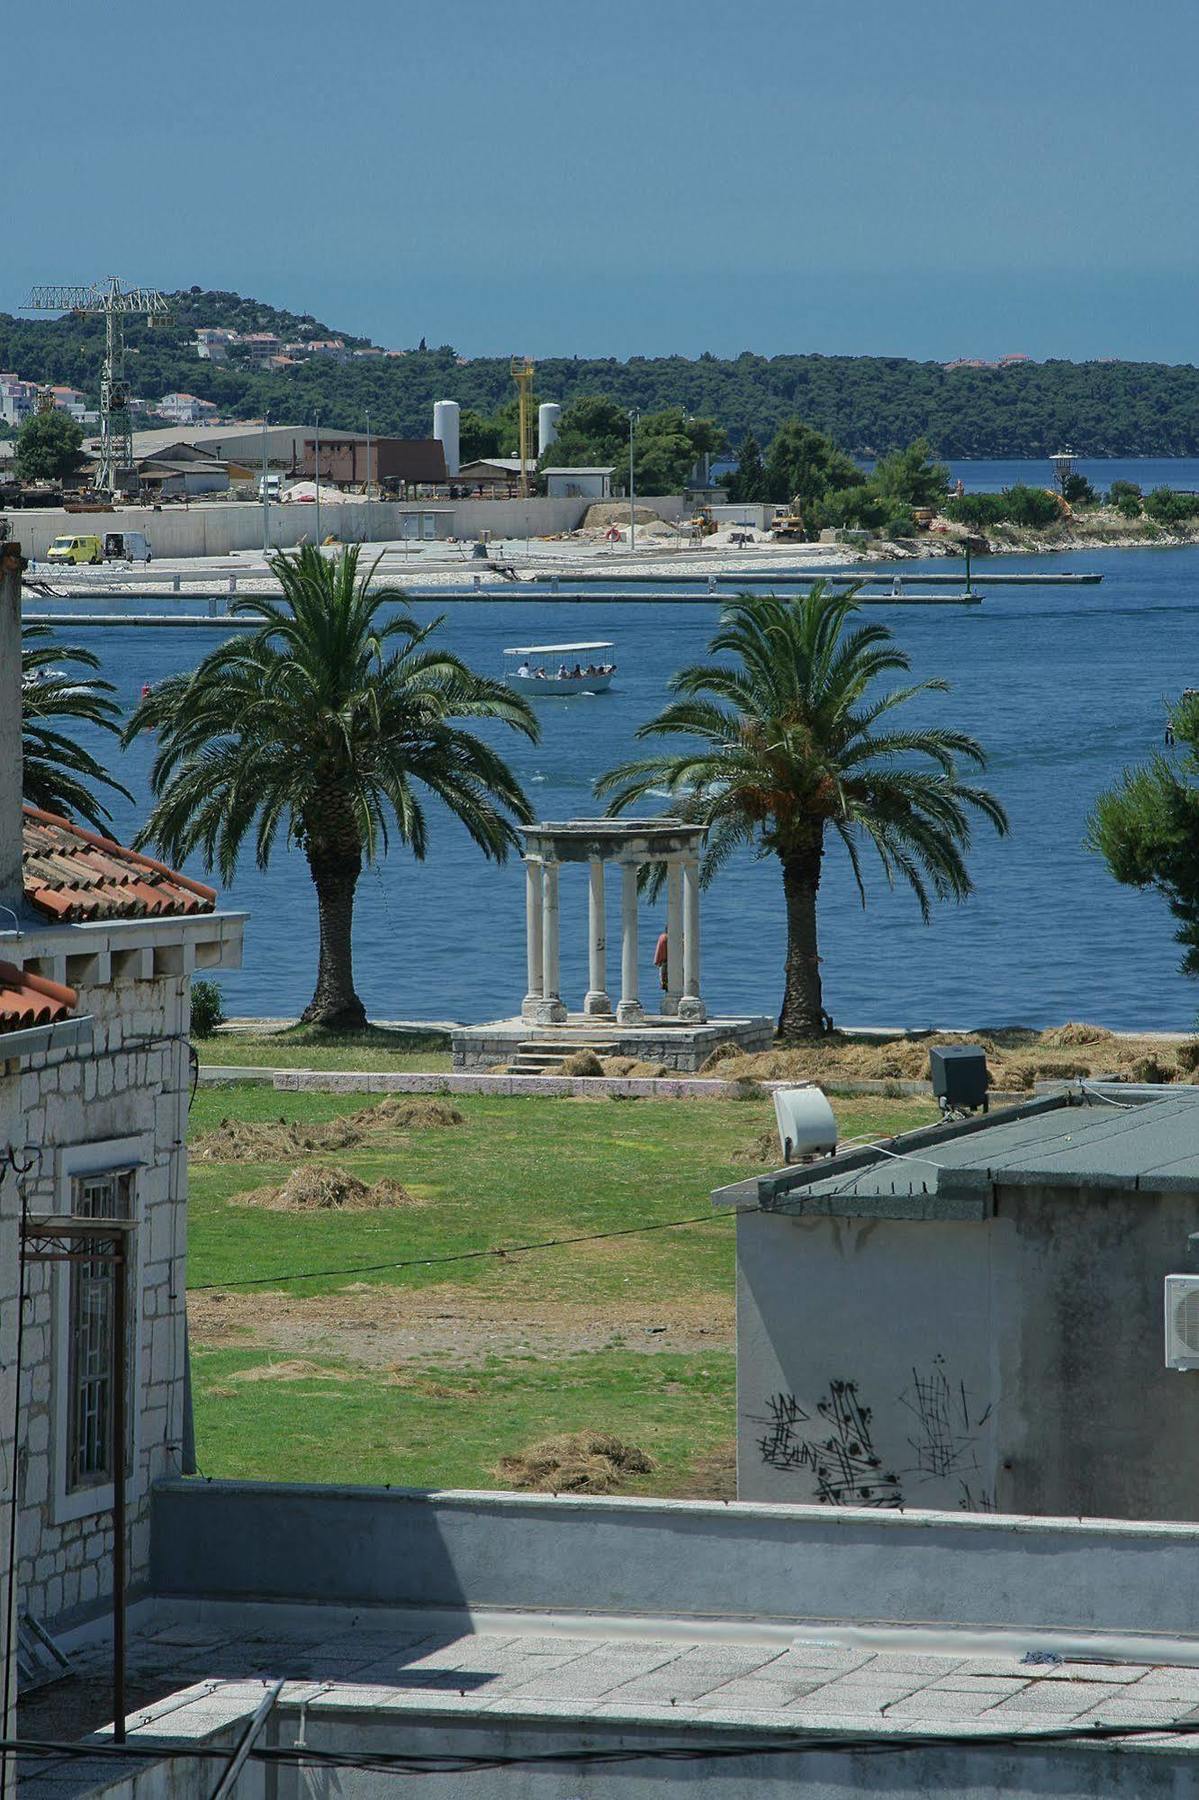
x=868 y=404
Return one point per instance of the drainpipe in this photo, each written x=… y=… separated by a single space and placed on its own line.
x=12 y=894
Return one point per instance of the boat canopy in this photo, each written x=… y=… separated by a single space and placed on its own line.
x=554 y=649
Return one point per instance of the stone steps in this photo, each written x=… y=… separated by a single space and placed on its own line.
x=540 y=1056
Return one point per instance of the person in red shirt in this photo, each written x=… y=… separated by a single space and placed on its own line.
x=661 y=958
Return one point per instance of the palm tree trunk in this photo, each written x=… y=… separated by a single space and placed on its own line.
x=335 y=1006
x=803 y=1013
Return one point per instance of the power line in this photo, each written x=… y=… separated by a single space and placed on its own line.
x=407 y=1762
x=461 y=1256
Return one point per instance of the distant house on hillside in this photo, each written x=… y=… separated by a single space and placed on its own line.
x=185 y=409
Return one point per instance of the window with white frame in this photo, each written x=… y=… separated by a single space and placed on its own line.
x=104 y=1194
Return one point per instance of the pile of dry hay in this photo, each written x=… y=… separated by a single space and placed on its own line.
x=1017 y=1059
x=317 y=1187
x=580 y=1462
x=407 y=1112
x=235 y=1140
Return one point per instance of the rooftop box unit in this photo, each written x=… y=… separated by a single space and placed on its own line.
x=1182 y=1321
x=806 y=1124
x=959 y=1076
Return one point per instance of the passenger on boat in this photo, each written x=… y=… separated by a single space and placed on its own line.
x=540 y=675
x=524 y=671
x=576 y=674
x=563 y=672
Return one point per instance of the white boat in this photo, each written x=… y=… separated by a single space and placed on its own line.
x=540 y=672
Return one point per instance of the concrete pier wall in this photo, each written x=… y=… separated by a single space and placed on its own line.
x=226 y=526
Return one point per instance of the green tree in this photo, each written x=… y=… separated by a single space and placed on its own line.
x=748 y=480
x=1146 y=828
x=782 y=749
x=48 y=447
x=324 y=722
x=477 y=437
x=1077 y=491
x=911 y=477
x=59 y=694
x=804 y=464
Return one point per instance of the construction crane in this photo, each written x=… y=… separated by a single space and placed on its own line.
x=522 y=374
x=107 y=299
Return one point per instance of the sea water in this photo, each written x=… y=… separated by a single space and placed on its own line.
x=1062 y=686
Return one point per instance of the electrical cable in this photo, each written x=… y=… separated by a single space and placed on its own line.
x=415 y=1763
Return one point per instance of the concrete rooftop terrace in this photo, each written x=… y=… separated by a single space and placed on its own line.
x=446 y=1688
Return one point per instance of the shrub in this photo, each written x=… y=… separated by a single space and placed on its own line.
x=1019 y=505
x=1121 y=491
x=208 y=1009
x=1128 y=506
x=1077 y=491
x=1188 y=1055
x=901 y=524
x=1166 y=506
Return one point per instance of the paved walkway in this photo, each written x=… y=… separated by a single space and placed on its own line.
x=620 y=1673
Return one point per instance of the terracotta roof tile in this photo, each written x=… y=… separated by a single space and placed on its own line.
x=27 y=1000
x=73 y=874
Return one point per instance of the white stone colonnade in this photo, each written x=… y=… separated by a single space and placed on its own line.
x=630 y=844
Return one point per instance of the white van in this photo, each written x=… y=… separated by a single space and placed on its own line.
x=126 y=546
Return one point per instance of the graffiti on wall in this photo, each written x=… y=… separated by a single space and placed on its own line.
x=832 y=1443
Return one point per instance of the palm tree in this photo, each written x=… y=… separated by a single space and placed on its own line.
x=57 y=771
x=785 y=747
x=324 y=720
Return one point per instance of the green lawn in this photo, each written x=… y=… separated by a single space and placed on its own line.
x=375 y=1049
x=518 y=1170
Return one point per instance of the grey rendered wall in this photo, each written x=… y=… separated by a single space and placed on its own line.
x=1013 y=1362
x=674 y=1559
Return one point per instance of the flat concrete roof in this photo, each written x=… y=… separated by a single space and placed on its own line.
x=1077 y=1139
x=592 y=1679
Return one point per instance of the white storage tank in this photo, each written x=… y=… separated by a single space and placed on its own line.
x=548 y=416
x=445 y=430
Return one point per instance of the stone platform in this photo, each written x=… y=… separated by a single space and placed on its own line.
x=684 y=1048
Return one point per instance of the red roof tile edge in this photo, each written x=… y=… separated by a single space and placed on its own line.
x=27 y=999
x=135 y=856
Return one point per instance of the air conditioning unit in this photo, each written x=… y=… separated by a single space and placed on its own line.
x=1182 y=1321
x=805 y=1121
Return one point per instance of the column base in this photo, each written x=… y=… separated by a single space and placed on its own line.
x=630 y=1012
x=692 y=1010
x=597 y=1005
x=670 y=1005
x=537 y=1010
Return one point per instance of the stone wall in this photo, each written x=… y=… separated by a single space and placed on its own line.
x=683 y=1049
x=133 y=1085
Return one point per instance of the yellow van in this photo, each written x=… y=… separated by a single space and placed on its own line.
x=75 y=550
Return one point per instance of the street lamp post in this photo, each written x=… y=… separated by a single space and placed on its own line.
x=633 y=415
x=266 y=503
x=368 y=474
x=316 y=463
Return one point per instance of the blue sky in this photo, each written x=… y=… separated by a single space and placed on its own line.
x=908 y=178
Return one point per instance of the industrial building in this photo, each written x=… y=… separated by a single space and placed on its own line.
x=393 y=465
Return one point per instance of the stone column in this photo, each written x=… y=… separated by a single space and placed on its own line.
x=596 y=1004
x=533 y=935
x=630 y=1011
x=674 y=939
x=12 y=893
x=550 y=1010
x=691 y=1007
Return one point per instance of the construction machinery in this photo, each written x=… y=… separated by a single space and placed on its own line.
x=523 y=370
x=703 y=524
x=112 y=302
x=788 y=527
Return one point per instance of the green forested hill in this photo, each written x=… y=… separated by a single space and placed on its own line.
x=867 y=404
